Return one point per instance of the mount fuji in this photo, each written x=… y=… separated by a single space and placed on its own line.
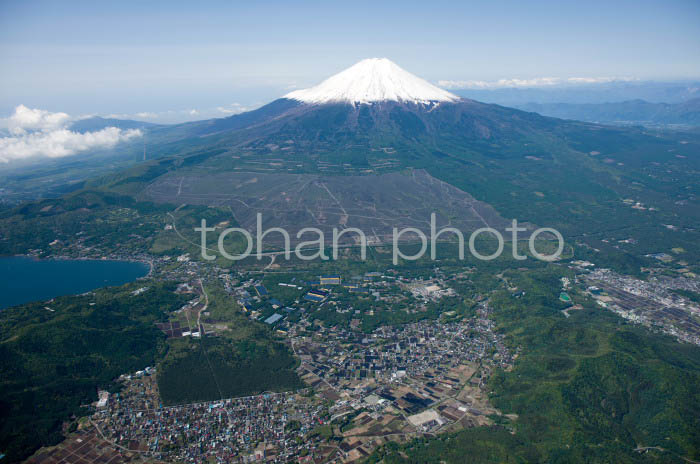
x=321 y=150
x=373 y=80
x=371 y=97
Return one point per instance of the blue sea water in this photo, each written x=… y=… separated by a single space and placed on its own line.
x=24 y=279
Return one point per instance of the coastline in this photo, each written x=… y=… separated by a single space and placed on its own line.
x=26 y=280
x=142 y=260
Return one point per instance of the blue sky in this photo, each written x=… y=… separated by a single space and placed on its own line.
x=188 y=59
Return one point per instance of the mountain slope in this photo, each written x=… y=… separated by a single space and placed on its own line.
x=565 y=174
x=570 y=175
x=231 y=123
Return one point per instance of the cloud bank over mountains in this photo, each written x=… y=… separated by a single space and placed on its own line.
x=529 y=83
x=34 y=133
x=175 y=116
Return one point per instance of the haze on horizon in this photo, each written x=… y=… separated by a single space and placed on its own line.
x=132 y=57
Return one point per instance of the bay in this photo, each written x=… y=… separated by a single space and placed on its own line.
x=25 y=279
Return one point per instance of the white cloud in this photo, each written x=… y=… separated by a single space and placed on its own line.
x=40 y=133
x=27 y=119
x=597 y=80
x=156 y=116
x=233 y=108
x=181 y=115
x=528 y=83
x=499 y=84
x=146 y=115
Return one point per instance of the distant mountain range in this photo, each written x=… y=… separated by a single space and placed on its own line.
x=640 y=112
x=616 y=91
x=96 y=123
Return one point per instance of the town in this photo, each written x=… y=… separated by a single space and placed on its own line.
x=383 y=357
x=654 y=303
x=394 y=382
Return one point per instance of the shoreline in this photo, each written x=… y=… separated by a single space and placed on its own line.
x=147 y=262
x=69 y=286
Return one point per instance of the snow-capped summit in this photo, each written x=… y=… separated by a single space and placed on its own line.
x=373 y=80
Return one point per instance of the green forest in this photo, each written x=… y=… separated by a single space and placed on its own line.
x=216 y=368
x=54 y=361
x=244 y=359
